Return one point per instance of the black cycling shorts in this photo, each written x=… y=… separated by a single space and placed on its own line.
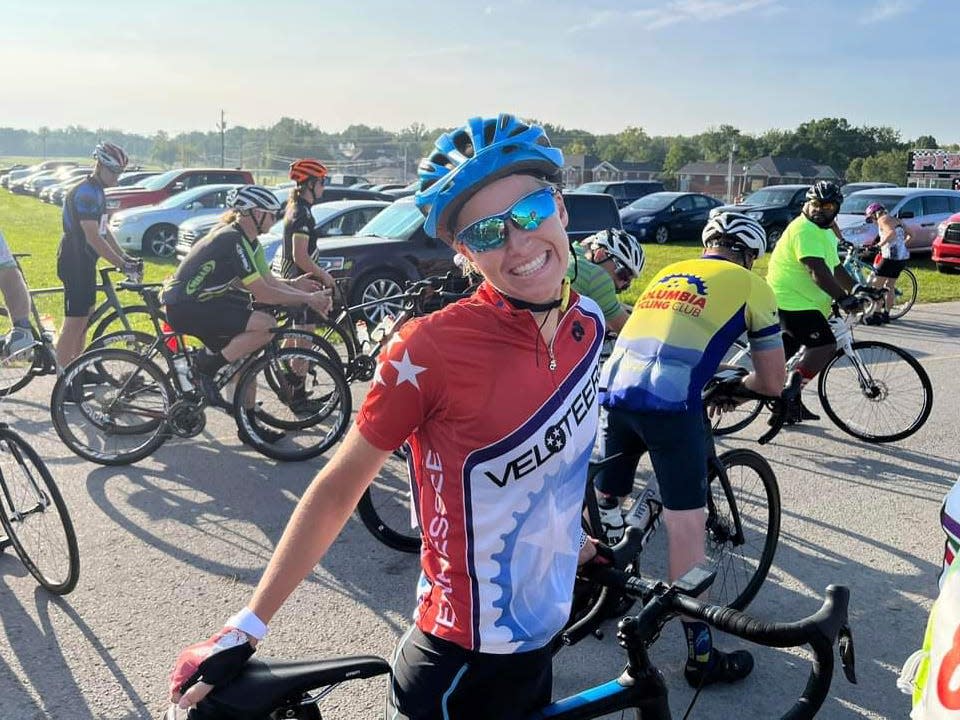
x=678 y=444
x=891 y=268
x=435 y=679
x=79 y=278
x=216 y=321
x=804 y=327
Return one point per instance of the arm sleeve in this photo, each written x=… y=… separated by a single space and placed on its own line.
x=248 y=267
x=407 y=388
x=763 y=321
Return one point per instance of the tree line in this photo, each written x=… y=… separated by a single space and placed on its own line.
x=859 y=153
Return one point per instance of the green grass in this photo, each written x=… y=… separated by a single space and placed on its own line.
x=34 y=227
x=933 y=286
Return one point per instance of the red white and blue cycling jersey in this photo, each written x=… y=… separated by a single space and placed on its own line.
x=500 y=444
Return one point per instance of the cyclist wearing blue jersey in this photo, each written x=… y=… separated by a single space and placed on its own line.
x=86 y=238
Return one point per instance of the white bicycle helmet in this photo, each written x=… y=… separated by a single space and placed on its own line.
x=111 y=156
x=621 y=245
x=733 y=229
x=252 y=197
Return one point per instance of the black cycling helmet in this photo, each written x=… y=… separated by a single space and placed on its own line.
x=825 y=191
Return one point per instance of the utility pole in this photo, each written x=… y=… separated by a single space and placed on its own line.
x=733 y=149
x=43 y=139
x=241 y=148
x=223 y=127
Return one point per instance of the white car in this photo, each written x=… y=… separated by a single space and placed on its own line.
x=920 y=209
x=152 y=229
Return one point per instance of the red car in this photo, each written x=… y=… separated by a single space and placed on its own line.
x=946 y=246
x=159 y=187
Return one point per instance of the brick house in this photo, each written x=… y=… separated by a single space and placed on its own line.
x=579 y=168
x=710 y=178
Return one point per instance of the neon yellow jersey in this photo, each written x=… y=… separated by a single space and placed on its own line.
x=679 y=330
x=789 y=278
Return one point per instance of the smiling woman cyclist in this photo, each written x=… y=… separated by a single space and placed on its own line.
x=496 y=395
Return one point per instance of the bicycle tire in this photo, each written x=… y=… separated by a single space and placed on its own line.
x=317 y=343
x=880 y=391
x=116 y=408
x=318 y=431
x=25 y=507
x=741 y=416
x=384 y=508
x=341 y=339
x=906 y=283
x=758 y=507
x=17 y=372
x=110 y=323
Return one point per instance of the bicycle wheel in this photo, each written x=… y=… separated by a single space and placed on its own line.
x=34 y=516
x=16 y=372
x=882 y=396
x=138 y=316
x=295 y=337
x=904 y=290
x=743 y=526
x=745 y=413
x=386 y=509
x=121 y=415
x=341 y=339
x=313 y=419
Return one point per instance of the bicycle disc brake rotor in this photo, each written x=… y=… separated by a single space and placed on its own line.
x=876 y=391
x=187 y=419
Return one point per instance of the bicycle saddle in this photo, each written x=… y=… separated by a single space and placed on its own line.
x=264 y=685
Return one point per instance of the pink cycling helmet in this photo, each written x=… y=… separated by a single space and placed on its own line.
x=873 y=209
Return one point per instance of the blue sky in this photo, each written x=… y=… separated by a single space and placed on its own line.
x=669 y=66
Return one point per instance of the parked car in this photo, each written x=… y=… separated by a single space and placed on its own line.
x=921 y=209
x=345 y=180
x=665 y=216
x=134 y=177
x=38 y=187
x=851 y=188
x=405 y=191
x=339 y=218
x=195 y=228
x=588 y=213
x=153 y=229
x=383 y=187
x=946 y=246
x=159 y=187
x=774 y=207
x=22 y=185
x=44 y=166
x=331 y=194
x=58 y=192
x=623 y=191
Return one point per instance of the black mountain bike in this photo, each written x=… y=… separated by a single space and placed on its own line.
x=114 y=407
x=274 y=689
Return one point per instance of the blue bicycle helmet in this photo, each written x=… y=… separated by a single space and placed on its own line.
x=471 y=157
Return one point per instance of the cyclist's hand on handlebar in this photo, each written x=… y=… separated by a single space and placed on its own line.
x=212 y=662
x=851 y=303
x=320 y=301
x=307 y=283
x=595 y=553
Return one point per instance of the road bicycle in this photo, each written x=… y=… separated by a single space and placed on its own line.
x=855 y=262
x=110 y=317
x=33 y=517
x=113 y=406
x=358 y=344
x=272 y=689
x=872 y=390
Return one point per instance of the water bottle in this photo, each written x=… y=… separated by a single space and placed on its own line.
x=640 y=512
x=182 y=367
x=363 y=336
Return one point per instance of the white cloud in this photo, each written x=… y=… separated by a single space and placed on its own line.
x=677 y=11
x=488 y=10
x=885 y=10
x=599 y=19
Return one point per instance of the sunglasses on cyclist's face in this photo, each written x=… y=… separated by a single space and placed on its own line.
x=527 y=213
x=621 y=272
x=827 y=207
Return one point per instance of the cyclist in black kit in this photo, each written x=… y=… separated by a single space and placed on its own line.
x=299 y=226
x=209 y=295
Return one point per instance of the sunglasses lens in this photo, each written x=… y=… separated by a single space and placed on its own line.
x=528 y=213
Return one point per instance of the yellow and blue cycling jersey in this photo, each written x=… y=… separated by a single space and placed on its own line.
x=680 y=328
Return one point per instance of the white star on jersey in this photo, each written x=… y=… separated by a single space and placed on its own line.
x=407 y=371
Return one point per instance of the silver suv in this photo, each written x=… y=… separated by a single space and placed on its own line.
x=921 y=209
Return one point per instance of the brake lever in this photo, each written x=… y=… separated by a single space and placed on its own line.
x=847 y=655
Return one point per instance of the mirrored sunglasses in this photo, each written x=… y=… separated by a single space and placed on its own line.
x=527 y=213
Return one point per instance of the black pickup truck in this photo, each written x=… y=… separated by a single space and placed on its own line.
x=774 y=207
